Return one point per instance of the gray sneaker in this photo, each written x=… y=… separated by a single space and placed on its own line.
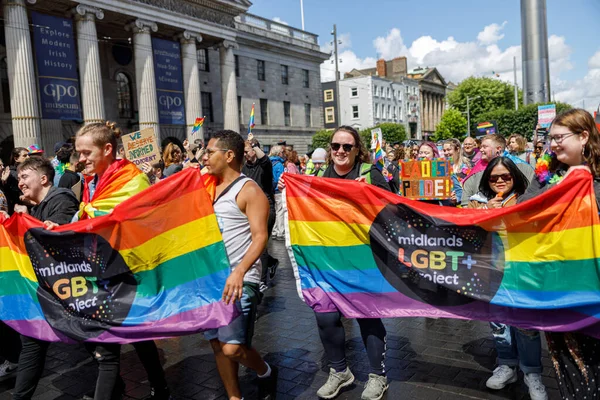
x=335 y=382
x=375 y=387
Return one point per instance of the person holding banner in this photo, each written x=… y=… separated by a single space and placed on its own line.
x=575 y=142
x=348 y=159
x=501 y=183
x=109 y=182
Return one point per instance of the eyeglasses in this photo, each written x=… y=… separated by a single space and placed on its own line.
x=504 y=177
x=210 y=152
x=347 y=147
x=559 y=138
x=468 y=145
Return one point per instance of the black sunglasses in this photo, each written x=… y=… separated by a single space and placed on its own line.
x=505 y=178
x=347 y=147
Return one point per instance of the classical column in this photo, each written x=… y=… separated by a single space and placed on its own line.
x=144 y=74
x=421 y=111
x=228 y=86
x=191 y=80
x=89 y=63
x=24 y=105
x=437 y=111
x=428 y=97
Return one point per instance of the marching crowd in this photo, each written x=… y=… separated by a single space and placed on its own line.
x=490 y=172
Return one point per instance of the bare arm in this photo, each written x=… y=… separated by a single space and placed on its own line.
x=253 y=202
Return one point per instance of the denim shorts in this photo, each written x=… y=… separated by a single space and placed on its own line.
x=241 y=329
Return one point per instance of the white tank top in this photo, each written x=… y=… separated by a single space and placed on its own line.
x=235 y=229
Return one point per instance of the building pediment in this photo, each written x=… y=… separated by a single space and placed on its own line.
x=434 y=76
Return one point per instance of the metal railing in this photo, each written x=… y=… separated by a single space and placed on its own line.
x=276 y=27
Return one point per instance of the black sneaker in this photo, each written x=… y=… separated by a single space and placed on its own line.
x=267 y=387
x=273 y=269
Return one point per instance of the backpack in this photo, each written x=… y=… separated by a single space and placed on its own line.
x=364 y=170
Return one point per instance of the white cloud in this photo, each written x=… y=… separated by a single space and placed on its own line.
x=491 y=34
x=344 y=42
x=480 y=57
x=279 y=20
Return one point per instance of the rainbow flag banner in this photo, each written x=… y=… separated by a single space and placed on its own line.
x=197 y=125
x=155 y=267
x=369 y=253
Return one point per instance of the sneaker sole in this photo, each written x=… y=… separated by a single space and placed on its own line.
x=380 y=397
x=343 y=385
x=508 y=382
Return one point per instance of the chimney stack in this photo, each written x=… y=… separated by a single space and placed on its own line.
x=381 y=68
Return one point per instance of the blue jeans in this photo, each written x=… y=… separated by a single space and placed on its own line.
x=518 y=347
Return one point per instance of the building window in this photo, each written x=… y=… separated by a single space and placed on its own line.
x=376 y=110
x=284 y=74
x=5 y=87
x=389 y=112
x=203 y=60
x=264 y=111
x=305 y=78
x=307 y=115
x=237 y=66
x=389 y=96
x=124 y=96
x=240 y=113
x=260 y=69
x=375 y=91
x=287 y=114
x=353 y=92
x=207 y=106
x=395 y=115
x=329 y=115
x=329 y=95
x=355 y=112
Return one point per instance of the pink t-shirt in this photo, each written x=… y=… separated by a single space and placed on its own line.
x=291 y=168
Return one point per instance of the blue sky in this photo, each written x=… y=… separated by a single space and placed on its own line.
x=453 y=35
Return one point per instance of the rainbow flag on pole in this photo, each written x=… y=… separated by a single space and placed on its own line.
x=251 y=122
x=197 y=125
x=369 y=253
x=142 y=272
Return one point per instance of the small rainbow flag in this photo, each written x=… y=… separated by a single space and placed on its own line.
x=379 y=162
x=251 y=123
x=197 y=125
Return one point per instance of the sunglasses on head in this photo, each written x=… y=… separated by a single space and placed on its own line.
x=504 y=177
x=347 y=147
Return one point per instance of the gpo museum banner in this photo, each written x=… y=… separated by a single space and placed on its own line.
x=169 y=81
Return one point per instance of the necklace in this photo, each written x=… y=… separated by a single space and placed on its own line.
x=542 y=170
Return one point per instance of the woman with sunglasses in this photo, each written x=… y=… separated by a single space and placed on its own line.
x=575 y=143
x=502 y=182
x=348 y=159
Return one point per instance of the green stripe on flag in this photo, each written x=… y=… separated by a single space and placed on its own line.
x=344 y=257
x=554 y=276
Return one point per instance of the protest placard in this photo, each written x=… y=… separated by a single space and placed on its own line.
x=426 y=179
x=141 y=147
x=546 y=115
x=487 y=128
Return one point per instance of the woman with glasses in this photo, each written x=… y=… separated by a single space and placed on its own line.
x=575 y=143
x=348 y=159
x=173 y=159
x=502 y=183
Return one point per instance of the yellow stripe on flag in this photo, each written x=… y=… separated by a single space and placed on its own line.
x=315 y=233
x=173 y=243
x=14 y=261
x=571 y=244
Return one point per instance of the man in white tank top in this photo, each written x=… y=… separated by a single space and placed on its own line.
x=242 y=210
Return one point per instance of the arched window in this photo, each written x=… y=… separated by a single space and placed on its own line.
x=124 y=96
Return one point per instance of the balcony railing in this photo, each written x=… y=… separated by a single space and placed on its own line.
x=276 y=27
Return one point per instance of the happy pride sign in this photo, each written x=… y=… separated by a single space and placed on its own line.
x=426 y=179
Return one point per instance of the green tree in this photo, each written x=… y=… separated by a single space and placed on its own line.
x=523 y=120
x=391 y=133
x=321 y=139
x=452 y=125
x=493 y=95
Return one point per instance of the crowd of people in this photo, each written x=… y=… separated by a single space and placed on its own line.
x=487 y=173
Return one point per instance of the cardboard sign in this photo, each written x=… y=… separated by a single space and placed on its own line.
x=426 y=179
x=487 y=128
x=546 y=115
x=141 y=147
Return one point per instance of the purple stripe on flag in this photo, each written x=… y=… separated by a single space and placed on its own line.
x=394 y=305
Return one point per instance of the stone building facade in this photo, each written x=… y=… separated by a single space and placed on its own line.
x=219 y=47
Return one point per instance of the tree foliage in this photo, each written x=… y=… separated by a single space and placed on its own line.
x=321 y=139
x=493 y=95
x=452 y=125
x=391 y=133
x=523 y=120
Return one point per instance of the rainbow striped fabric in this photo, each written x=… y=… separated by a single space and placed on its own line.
x=368 y=253
x=251 y=124
x=155 y=267
x=197 y=125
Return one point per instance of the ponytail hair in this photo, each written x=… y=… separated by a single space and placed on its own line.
x=102 y=133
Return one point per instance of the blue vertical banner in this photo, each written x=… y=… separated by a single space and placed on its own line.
x=56 y=59
x=169 y=81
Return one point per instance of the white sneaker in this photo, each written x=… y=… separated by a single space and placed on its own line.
x=502 y=376
x=8 y=370
x=537 y=390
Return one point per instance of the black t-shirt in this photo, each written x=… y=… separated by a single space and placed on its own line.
x=377 y=178
x=68 y=179
x=262 y=173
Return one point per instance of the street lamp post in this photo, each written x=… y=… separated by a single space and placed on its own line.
x=469 y=114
